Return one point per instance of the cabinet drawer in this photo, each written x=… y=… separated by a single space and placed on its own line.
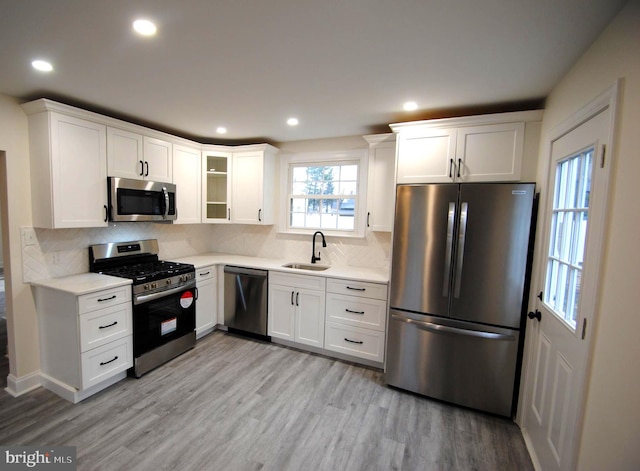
x=357 y=288
x=299 y=281
x=205 y=273
x=103 y=362
x=101 y=299
x=356 y=341
x=354 y=310
x=105 y=325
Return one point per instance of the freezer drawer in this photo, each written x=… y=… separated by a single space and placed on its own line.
x=459 y=362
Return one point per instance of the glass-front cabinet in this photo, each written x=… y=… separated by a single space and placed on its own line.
x=216 y=186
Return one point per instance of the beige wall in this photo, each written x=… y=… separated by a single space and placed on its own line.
x=16 y=199
x=611 y=430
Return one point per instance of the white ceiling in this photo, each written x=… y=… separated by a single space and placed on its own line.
x=342 y=67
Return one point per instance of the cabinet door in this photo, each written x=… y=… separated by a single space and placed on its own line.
x=124 y=154
x=157 y=160
x=425 y=156
x=309 y=323
x=186 y=176
x=216 y=187
x=247 y=188
x=490 y=153
x=206 y=306
x=281 y=312
x=79 y=172
x=381 y=192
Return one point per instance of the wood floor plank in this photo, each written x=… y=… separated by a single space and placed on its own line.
x=237 y=404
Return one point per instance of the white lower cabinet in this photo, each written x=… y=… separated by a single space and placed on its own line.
x=332 y=314
x=206 y=305
x=356 y=313
x=296 y=308
x=86 y=340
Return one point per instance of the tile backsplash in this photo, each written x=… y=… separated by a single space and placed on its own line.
x=60 y=252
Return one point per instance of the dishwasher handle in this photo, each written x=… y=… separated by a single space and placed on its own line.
x=245 y=271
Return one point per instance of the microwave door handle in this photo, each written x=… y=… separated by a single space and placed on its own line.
x=165 y=193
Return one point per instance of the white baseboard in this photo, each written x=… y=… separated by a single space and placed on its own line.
x=73 y=395
x=19 y=386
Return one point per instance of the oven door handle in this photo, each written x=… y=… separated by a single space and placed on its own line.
x=139 y=299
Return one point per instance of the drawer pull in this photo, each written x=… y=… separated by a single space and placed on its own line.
x=353 y=341
x=107 y=299
x=105 y=326
x=356 y=289
x=102 y=363
x=205 y=273
x=354 y=312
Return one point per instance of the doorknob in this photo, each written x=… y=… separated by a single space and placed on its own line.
x=535 y=315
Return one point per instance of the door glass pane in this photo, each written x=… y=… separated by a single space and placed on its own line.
x=567 y=238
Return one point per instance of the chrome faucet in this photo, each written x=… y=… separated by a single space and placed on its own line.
x=314 y=259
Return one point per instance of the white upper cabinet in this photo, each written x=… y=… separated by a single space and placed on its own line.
x=490 y=152
x=470 y=149
x=68 y=169
x=426 y=155
x=216 y=186
x=132 y=155
x=157 y=159
x=253 y=188
x=187 y=178
x=381 y=188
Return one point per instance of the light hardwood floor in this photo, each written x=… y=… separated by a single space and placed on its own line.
x=238 y=404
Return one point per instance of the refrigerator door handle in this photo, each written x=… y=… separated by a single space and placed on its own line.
x=429 y=326
x=464 y=210
x=447 y=256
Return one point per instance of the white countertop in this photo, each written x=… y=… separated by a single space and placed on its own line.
x=375 y=275
x=82 y=283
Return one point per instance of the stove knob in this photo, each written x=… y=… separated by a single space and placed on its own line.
x=146 y=287
x=154 y=285
x=169 y=281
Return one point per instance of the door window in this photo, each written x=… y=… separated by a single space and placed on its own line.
x=570 y=214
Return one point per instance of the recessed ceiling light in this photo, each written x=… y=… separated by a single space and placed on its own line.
x=144 y=27
x=292 y=121
x=42 y=66
x=410 y=106
x=221 y=130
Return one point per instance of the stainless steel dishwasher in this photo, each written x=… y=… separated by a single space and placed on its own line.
x=245 y=300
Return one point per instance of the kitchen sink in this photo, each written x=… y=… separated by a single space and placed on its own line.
x=305 y=266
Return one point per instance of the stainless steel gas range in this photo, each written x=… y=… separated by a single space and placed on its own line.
x=163 y=293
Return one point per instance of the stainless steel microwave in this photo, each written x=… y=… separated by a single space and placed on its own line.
x=141 y=200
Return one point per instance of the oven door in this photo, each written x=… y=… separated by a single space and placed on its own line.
x=141 y=200
x=161 y=318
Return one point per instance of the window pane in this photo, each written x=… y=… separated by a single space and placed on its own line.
x=329 y=210
x=568 y=232
x=349 y=172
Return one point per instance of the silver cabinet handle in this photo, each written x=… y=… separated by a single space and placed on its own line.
x=451 y=217
x=422 y=325
x=354 y=312
x=464 y=213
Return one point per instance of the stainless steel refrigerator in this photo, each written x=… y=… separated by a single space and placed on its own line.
x=457 y=286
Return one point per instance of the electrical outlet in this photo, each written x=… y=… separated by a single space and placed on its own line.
x=28 y=236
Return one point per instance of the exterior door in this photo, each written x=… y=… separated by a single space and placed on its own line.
x=568 y=281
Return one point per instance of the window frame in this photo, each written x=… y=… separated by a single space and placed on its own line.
x=288 y=161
